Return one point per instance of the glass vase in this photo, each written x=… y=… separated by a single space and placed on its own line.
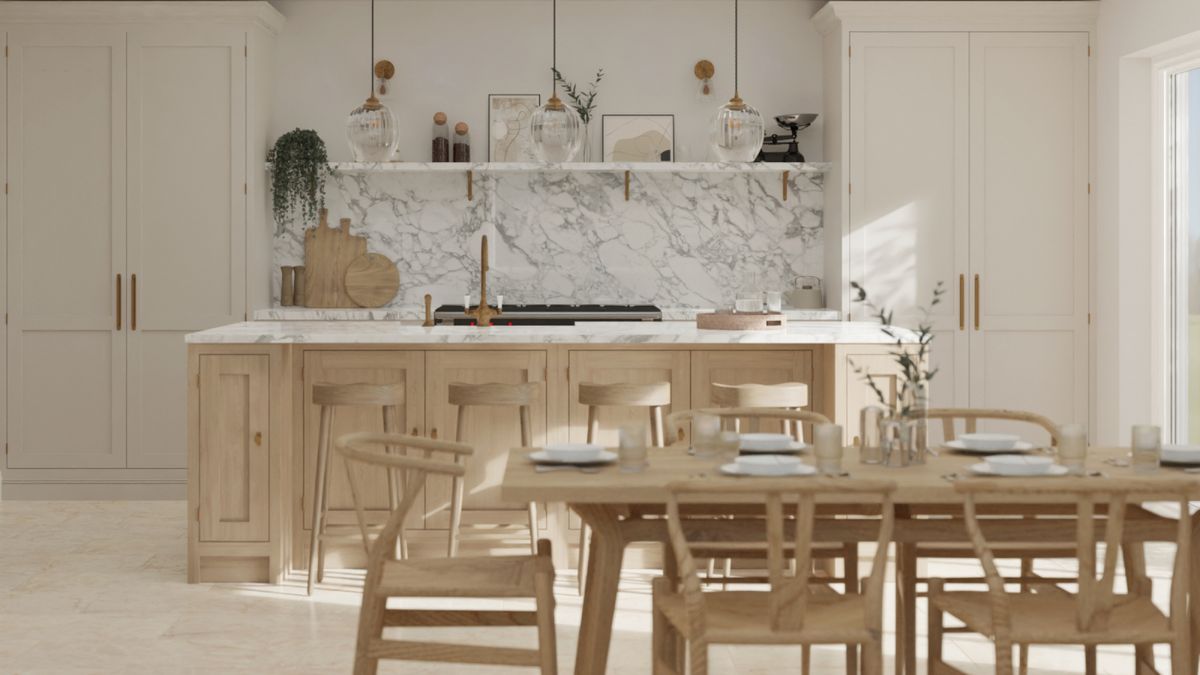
x=585 y=142
x=916 y=405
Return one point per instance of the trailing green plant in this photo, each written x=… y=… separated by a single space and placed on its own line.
x=584 y=102
x=299 y=167
x=913 y=361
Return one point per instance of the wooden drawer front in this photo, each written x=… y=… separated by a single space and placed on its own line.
x=349 y=367
x=491 y=431
x=750 y=367
x=635 y=367
x=234 y=448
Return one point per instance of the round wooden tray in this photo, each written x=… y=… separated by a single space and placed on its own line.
x=740 y=321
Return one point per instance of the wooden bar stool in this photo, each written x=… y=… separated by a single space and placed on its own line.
x=786 y=395
x=520 y=396
x=389 y=398
x=653 y=396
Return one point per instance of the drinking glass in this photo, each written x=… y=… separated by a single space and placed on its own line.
x=774 y=301
x=1147 y=447
x=1072 y=448
x=729 y=444
x=870 y=448
x=748 y=303
x=705 y=428
x=827 y=446
x=631 y=448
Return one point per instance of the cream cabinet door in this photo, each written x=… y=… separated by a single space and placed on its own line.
x=491 y=431
x=1029 y=222
x=350 y=367
x=66 y=246
x=634 y=367
x=234 y=450
x=187 y=218
x=909 y=96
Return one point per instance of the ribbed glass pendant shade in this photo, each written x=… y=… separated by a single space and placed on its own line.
x=372 y=132
x=556 y=131
x=737 y=132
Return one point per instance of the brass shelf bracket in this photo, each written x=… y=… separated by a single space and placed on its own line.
x=786 y=175
x=470 y=185
x=627 y=185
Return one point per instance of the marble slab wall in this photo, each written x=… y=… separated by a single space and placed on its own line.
x=682 y=241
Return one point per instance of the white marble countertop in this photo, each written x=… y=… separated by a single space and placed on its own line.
x=594 y=167
x=416 y=314
x=616 y=332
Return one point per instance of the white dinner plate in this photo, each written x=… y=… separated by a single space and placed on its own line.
x=985 y=469
x=732 y=469
x=986 y=441
x=1020 y=446
x=605 y=457
x=793 y=446
x=766 y=442
x=573 y=452
x=1181 y=454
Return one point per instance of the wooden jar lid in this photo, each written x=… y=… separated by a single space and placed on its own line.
x=461 y=128
x=439 y=118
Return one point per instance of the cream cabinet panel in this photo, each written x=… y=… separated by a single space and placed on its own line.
x=1029 y=222
x=234 y=449
x=66 y=246
x=350 y=367
x=634 y=367
x=852 y=365
x=908 y=202
x=491 y=431
x=187 y=217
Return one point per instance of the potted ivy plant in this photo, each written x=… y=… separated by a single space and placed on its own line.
x=299 y=167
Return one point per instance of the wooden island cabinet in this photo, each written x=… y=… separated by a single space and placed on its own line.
x=253 y=429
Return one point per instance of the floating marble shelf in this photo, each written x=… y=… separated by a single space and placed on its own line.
x=590 y=167
x=469 y=169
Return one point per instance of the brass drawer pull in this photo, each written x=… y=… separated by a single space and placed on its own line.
x=118 y=302
x=133 y=302
x=976 y=302
x=258 y=438
x=962 y=302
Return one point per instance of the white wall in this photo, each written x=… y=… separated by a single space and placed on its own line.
x=1128 y=31
x=450 y=54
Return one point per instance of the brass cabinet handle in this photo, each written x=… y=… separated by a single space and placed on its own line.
x=976 y=302
x=133 y=302
x=118 y=301
x=414 y=432
x=258 y=438
x=962 y=302
x=433 y=433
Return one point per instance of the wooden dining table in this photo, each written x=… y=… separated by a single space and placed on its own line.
x=613 y=504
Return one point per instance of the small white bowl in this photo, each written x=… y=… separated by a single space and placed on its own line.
x=573 y=452
x=989 y=441
x=766 y=442
x=767 y=465
x=1019 y=465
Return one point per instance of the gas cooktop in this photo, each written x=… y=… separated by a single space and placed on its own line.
x=550 y=315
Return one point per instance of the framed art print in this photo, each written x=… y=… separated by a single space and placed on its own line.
x=638 y=138
x=508 y=127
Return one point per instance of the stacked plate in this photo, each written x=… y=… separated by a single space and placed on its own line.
x=1018 y=465
x=575 y=454
x=989 y=444
x=770 y=444
x=767 y=465
x=1181 y=455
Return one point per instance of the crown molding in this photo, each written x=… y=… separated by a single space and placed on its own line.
x=257 y=12
x=869 y=15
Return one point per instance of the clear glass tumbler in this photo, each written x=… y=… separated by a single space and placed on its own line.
x=1146 y=447
x=1072 y=448
x=827 y=447
x=705 y=430
x=870 y=445
x=631 y=448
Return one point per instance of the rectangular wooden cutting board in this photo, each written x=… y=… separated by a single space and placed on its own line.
x=328 y=252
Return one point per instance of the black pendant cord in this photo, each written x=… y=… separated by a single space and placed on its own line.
x=372 y=69
x=554 y=47
x=736 y=92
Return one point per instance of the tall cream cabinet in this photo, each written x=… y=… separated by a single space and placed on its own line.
x=132 y=130
x=962 y=140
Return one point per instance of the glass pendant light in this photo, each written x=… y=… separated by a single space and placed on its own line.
x=737 y=129
x=371 y=128
x=555 y=127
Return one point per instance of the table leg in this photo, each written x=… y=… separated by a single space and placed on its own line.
x=1134 y=556
x=600 y=594
x=906 y=609
x=556 y=532
x=1194 y=606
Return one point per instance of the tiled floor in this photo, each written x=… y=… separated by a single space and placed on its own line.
x=99 y=587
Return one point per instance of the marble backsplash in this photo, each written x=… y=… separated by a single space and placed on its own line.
x=681 y=241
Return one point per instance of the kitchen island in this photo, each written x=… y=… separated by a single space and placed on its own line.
x=252 y=429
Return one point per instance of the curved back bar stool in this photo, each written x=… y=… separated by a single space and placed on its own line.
x=520 y=396
x=785 y=396
x=389 y=398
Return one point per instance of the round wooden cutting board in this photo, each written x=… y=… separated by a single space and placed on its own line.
x=372 y=280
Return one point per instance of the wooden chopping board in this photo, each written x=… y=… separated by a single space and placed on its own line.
x=328 y=253
x=372 y=280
